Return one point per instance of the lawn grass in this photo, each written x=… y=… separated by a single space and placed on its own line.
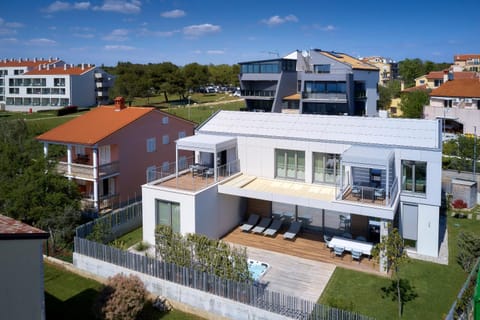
x=200 y=113
x=131 y=238
x=436 y=285
x=69 y=296
x=175 y=100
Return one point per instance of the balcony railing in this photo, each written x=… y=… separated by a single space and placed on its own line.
x=371 y=195
x=324 y=96
x=258 y=93
x=86 y=171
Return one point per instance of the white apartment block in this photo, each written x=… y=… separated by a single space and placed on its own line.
x=41 y=84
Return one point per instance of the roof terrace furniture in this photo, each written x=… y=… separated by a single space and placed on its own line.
x=356 y=192
x=293 y=230
x=264 y=223
x=356 y=255
x=379 y=193
x=327 y=240
x=274 y=227
x=339 y=251
x=351 y=245
x=252 y=221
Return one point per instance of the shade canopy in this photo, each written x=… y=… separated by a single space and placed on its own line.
x=207 y=143
x=369 y=157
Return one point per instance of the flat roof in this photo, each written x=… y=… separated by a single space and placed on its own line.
x=408 y=133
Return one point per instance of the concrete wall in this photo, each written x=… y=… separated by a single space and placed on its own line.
x=21 y=280
x=371 y=81
x=200 y=300
x=428 y=230
x=82 y=89
x=468 y=117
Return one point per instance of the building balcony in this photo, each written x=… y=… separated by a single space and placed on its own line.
x=82 y=170
x=258 y=93
x=337 y=97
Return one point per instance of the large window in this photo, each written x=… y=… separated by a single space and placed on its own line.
x=151 y=144
x=414 y=176
x=321 y=68
x=326 y=167
x=290 y=164
x=168 y=214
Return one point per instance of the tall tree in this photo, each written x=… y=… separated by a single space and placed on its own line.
x=412 y=104
x=391 y=249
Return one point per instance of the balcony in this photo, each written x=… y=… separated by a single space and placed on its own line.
x=85 y=171
x=337 y=97
x=258 y=93
x=362 y=193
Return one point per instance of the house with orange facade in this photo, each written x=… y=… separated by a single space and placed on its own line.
x=112 y=150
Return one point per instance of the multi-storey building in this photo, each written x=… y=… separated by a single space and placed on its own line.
x=387 y=68
x=312 y=169
x=313 y=82
x=457 y=103
x=435 y=79
x=33 y=85
x=112 y=150
x=467 y=62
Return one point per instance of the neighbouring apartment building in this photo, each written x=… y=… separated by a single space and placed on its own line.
x=387 y=68
x=310 y=82
x=457 y=103
x=112 y=150
x=467 y=62
x=309 y=168
x=39 y=84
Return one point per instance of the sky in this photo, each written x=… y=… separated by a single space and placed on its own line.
x=105 y=32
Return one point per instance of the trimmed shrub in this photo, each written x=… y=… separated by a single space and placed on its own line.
x=67 y=110
x=122 y=298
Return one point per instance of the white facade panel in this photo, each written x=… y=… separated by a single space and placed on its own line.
x=428 y=230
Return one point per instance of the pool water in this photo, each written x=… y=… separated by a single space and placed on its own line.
x=257 y=269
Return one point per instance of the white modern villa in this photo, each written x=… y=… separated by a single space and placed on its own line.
x=316 y=169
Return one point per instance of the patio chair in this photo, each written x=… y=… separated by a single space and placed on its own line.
x=339 y=251
x=252 y=221
x=356 y=192
x=327 y=240
x=293 y=230
x=274 y=227
x=264 y=223
x=356 y=255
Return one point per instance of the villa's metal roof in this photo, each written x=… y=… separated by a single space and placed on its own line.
x=409 y=133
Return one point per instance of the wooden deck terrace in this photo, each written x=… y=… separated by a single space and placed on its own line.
x=189 y=181
x=307 y=245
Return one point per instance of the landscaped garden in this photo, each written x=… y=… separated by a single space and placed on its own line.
x=435 y=286
x=69 y=296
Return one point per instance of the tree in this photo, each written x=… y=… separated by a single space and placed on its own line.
x=387 y=93
x=391 y=251
x=122 y=298
x=412 y=104
x=30 y=188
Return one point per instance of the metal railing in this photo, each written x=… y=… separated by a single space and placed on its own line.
x=86 y=171
x=324 y=96
x=250 y=293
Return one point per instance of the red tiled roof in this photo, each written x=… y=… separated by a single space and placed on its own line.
x=95 y=125
x=432 y=75
x=423 y=87
x=14 y=229
x=25 y=63
x=464 y=88
x=465 y=57
x=60 y=70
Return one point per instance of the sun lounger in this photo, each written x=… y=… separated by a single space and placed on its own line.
x=293 y=230
x=264 y=223
x=274 y=227
x=252 y=221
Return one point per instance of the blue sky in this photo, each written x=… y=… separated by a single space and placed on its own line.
x=181 y=31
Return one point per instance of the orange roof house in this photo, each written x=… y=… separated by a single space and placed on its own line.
x=113 y=150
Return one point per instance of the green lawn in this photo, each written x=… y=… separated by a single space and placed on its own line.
x=131 y=238
x=200 y=113
x=436 y=285
x=69 y=296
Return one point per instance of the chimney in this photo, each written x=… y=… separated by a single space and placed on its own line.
x=65 y=67
x=445 y=76
x=119 y=103
x=83 y=67
x=402 y=85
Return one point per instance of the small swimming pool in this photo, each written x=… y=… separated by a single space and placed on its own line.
x=257 y=269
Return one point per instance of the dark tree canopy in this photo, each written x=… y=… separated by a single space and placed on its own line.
x=412 y=104
x=409 y=69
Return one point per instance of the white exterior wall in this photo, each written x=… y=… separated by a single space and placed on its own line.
x=206 y=212
x=468 y=117
x=21 y=279
x=371 y=82
x=428 y=230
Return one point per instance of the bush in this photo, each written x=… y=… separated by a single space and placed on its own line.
x=67 y=110
x=122 y=298
x=459 y=204
x=468 y=249
x=142 y=246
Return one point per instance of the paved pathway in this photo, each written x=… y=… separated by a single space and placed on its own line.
x=291 y=275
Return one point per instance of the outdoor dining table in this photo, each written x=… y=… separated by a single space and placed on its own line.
x=350 y=245
x=198 y=169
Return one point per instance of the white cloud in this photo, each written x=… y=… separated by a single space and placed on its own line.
x=4 y=31
x=200 y=29
x=329 y=28
x=14 y=25
x=9 y=40
x=146 y=32
x=173 y=14
x=118 y=48
x=41 y=42
x=84 y=35
x=215 y=52
x=117 y=35
x=120 y=6
x=66 y=6
x=277 y=20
